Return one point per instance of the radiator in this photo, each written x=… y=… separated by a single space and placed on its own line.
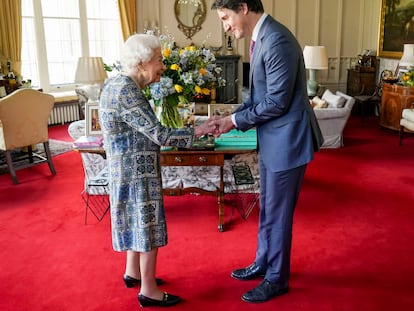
x=64 y=112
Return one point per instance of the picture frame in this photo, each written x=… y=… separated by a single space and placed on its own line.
x=400 y=71
x=221 y=109
x=396 y=28
x=201 y=109
x=92 y=126
x=2 y=91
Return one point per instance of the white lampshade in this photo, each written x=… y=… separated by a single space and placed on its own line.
x=407 y=59
x=315 y=57
x=90 y=70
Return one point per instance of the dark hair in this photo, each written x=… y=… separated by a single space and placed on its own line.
x=234 y=5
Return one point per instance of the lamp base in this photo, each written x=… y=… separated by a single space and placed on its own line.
x=312 y=87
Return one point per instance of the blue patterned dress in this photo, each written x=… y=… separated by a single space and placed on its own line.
x=132 y=140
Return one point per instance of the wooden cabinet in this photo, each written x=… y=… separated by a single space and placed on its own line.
x=360 y=82
x=394 y=99
x=230 y=65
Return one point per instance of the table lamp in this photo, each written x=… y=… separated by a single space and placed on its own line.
x=407 y=59
x=315 y=59
x=90 y=71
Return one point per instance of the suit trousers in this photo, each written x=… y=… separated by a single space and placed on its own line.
x=279 y=193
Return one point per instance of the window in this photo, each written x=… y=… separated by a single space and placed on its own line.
x=57 y=32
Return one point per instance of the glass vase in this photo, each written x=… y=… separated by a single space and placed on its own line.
x=169 y=115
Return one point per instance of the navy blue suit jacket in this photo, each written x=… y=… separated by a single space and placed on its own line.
x=279 y=105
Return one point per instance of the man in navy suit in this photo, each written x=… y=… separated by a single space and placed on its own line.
x=288 y=136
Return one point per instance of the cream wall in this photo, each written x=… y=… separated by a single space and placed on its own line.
x=345 y=27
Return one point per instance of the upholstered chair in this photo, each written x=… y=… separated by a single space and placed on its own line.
x=24 y=118
x=406 y=122
x=93 y=163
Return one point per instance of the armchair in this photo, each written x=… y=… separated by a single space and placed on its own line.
x=406 y=122
x=332 y=120
x=24 y=118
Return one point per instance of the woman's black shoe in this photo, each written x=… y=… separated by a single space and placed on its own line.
x=167 y=301
x=131 y=282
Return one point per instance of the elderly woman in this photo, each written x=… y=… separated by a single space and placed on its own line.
x=132 y=139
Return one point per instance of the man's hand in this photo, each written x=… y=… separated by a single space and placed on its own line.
x=222 y=125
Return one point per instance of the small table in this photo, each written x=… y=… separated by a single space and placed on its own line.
x=194 y=158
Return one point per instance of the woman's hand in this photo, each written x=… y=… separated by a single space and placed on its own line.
x=208 y=127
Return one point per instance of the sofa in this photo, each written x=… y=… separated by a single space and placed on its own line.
x=332 y=112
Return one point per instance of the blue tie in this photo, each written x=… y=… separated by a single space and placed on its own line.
x=252 y=42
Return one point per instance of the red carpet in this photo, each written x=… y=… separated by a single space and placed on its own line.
x=352 y=246
x=59 y=132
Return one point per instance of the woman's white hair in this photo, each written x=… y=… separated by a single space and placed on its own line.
x=138 y=48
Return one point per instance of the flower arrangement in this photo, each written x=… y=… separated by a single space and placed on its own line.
x=190 y=71
x=408 y=78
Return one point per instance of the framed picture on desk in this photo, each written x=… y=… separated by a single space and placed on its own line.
x=92 y=126
x=221 y=110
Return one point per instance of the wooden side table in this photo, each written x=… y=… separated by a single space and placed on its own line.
x=360 y=82
x=394 y=99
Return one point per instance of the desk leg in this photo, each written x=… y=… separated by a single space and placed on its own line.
x=220 y=198
x=221 y=211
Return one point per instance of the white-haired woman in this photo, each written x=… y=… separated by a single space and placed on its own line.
x=132 y=140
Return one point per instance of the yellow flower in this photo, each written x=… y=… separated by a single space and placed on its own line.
x=166 y=53
x=174 y=67
x=191 y=48
x=204 y=91
x=202 y=71
x=178 y=88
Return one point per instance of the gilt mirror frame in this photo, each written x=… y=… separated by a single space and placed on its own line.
x=190 y=15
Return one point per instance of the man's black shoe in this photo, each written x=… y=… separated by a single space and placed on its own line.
x=251 y=272
x=264 y=292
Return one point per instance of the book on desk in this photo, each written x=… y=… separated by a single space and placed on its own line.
x=88 y=142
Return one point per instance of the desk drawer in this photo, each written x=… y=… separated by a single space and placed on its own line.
x=192 y=159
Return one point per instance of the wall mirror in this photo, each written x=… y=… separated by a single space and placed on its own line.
x=190 y=15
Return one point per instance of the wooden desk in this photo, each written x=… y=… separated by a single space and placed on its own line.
x=194 y=158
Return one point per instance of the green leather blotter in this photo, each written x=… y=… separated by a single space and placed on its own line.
x=236 y=139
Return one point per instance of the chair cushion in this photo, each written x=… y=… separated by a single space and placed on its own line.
x=408 y=114
x=407 y=124
x=334 y=101
x=318 y=103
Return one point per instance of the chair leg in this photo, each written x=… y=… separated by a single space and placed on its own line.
x=401 y=134
x=30 y=153
x=49 y=157
x=98 y=204
x=362 y=110
x=10 y=166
